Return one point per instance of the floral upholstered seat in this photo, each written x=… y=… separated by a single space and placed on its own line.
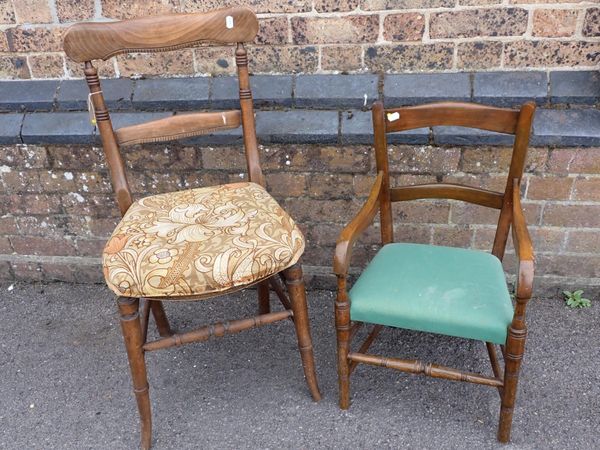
x=200 y=242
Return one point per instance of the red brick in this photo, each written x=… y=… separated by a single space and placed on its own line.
x=585 y=160
x=415 y=234
x=336 y=5
x=95 y=205
x=554 y=22
x=7 y=12
x=335 y=30
x=559 y=160
x=214 y=61
x=284 y=184
x=478 y=23
x=478 y=55
x=587 y=189
x=74 y=157
x=32 y=11
x=568 y=266
x=58 y=181
x=323 y=211
x=330 y=186
x=404 y=27
x=178 y=62
x=409 y=57
x=46 y=66
x=106 y=68
x=74 y=10
x=37 y=245
x=381 y=5
x=5 y=247
x=423 y=159
x=223 y=158
x=551 y=53
x=420 y=212
x=14 y=68
x=561 y=215
x=90 y=247
x=258 y=6
x=202 y=179
x=35 y=39
x=272 y=31
x=452 y=236
x=119 y=9
x=591 y=24
x=549 y=188
x=546 y=240
x=267 y=59
x=464 y=213
x=8 y=225
x=341 y=58
x=21 y=181
x=583 y=242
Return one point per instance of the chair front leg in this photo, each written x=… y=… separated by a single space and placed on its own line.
x=515 y=348
x=264 y=306
x=132 y=334
x=294 y=282
x=342 y=326
x=160 y=317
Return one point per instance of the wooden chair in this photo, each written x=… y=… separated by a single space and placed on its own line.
x=437 y=289
x=199 y=243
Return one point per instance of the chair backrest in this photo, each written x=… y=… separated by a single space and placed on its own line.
x=470 y=115
x=85 y=42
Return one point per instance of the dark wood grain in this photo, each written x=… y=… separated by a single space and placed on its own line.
x=88 y=41
x=508 y=202
x=180 y=126
x=101 y=40
x=452 y=114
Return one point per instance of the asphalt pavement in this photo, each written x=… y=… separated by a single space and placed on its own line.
x=64 y=381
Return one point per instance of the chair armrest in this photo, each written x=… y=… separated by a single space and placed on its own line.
x=364 y=218
x=523 y=246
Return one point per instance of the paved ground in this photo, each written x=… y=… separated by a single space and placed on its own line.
x=64 y=382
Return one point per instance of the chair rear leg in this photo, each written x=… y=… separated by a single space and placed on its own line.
x=264 y=306
x=295 y=285
x=515 y=348
x=160 y=317
x=132 y=334
x=342 y=326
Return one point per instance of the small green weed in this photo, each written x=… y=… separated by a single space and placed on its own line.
x=575 y=299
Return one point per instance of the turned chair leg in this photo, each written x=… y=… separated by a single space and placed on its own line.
x=515 y=348
x=342 y=326
x=264 y=306
x=132 y=334
x=295 y=286
x=160 y=317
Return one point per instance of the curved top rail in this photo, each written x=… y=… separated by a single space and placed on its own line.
x=101 y=40
x=472 y=115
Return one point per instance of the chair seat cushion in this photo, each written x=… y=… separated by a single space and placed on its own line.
x=200 y=242
x=443 y=290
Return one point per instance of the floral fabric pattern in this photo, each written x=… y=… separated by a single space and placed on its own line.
x=200 y=242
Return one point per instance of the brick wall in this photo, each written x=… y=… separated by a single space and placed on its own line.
x=325 y=36
x=61 y=207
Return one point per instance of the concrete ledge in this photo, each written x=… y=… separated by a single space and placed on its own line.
x=569 y=127
x=309 y=91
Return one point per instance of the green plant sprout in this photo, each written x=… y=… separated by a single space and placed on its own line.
x=575 y=299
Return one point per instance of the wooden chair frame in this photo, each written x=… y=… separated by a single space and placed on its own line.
x=85 y=42
x=508 y=202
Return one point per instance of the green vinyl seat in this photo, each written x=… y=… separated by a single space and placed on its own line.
x=445 y=290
